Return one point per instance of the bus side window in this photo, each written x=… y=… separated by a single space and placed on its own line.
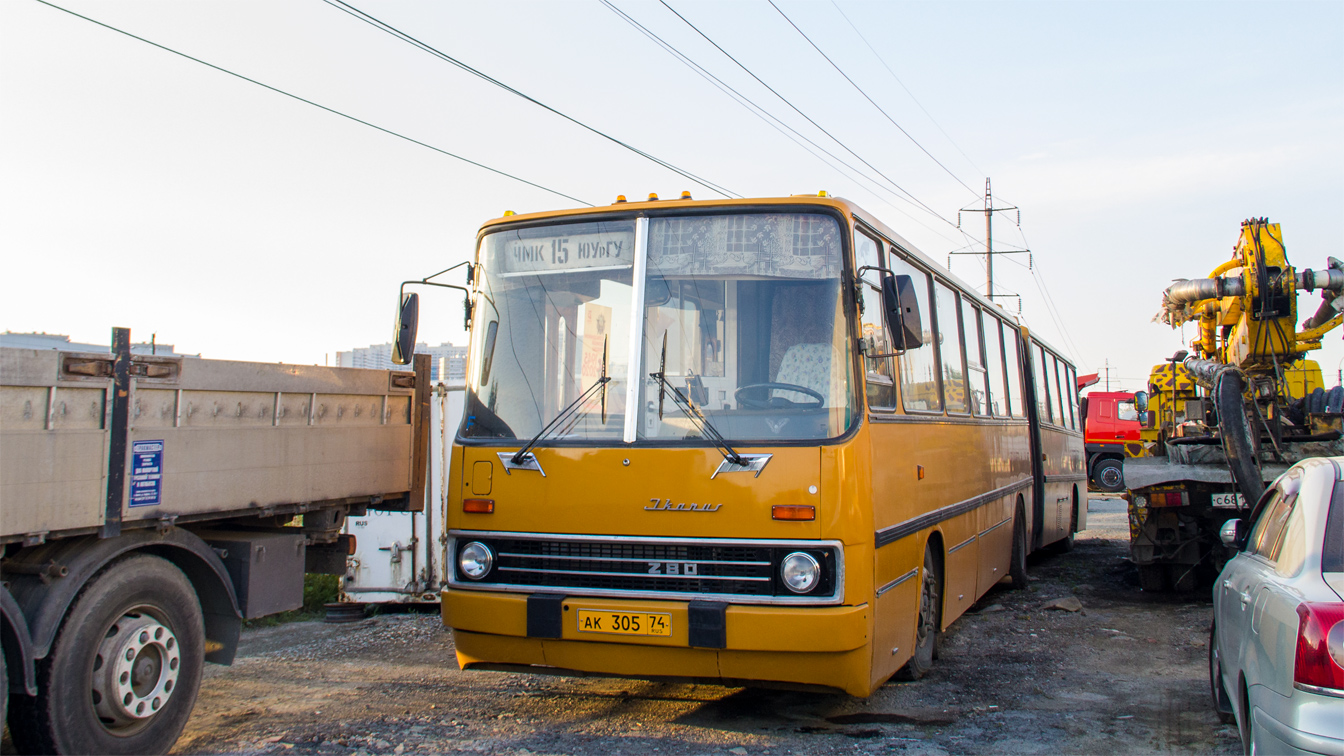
x=949 y=348
x=1071 y=393
x=977 y=378
x=919 y=379
x=1012 y=345
x=1042 y=385
x=881 y=388
x=998 y=399
x=1058 y=395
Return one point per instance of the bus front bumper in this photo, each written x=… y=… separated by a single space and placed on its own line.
x=782 y=645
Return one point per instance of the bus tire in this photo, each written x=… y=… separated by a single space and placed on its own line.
x=926 y=627
x=124 y=669
x=1109 y=475
x=1017 y=566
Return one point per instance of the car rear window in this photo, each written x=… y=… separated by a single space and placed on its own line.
x=1332 y=554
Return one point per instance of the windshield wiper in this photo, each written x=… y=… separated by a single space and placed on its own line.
x=601 y=384
x=701 y=423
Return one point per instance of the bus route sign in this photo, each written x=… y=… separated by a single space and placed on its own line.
x=548 y=254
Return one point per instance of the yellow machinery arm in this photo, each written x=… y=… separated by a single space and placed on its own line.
x=1247 y=308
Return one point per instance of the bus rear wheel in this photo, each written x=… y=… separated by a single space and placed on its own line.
x=124 y=670
x=1017 y=566
x=926 y=631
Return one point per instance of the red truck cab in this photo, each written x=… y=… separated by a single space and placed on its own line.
x=1110 y=433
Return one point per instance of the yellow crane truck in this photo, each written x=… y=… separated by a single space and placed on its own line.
x=1235 y=410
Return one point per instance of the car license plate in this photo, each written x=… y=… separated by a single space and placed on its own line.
x=624 y=623
x=1228 y=501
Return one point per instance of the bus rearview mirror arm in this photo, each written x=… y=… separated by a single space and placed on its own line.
x=408 y=312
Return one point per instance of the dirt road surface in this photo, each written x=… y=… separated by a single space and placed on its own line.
x=1126 y=674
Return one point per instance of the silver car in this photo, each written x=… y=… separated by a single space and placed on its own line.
x=1276 y=650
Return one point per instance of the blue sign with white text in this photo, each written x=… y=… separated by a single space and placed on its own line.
x=146 y=473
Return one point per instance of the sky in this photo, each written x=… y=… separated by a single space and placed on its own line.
x=142 y=189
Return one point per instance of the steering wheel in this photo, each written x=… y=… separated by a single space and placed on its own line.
x=772 y=402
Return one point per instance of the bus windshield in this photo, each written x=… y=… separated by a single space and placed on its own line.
x=742 y=314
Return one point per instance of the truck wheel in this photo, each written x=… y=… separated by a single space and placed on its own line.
x=123 y=672
x=1109 y=475
x=1153 y=577
x=926 y=631
x=1017 y=566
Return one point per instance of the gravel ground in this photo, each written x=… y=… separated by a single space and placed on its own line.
x=1126 y=674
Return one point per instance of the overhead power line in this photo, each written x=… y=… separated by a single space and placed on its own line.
x=376 y=23
x=805 y=116
x=770 y=119
x=317 y=105
x=869 y=99
x=897 y=79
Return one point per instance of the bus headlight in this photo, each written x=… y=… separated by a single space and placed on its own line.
x=800 y=572
x=475 y=560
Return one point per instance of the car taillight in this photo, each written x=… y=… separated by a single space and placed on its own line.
x=1320 y=646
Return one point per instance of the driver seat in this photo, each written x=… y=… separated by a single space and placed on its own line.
x=806 y=365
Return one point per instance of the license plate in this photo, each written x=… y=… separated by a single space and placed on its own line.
x=1229 y=501
x=624 y=623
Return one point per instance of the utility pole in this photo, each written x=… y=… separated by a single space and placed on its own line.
x=1108 y=374
x=989 y=252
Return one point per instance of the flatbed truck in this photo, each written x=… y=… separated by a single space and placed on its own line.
x=150 y=504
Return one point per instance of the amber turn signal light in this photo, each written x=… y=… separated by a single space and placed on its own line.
x=350 y=546
x=478 y=506
x=793 y=512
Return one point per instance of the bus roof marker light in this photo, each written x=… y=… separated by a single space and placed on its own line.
x=620 y=199
x=793 y=512
x=653 y=197
x=685 y=195
x=507 y=213
x=822 y=193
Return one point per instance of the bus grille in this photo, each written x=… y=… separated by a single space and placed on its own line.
x=644 y=568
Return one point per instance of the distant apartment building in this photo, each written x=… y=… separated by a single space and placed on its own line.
x=63 y=343
x=448 y=363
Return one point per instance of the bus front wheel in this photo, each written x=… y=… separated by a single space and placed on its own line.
x=926 y=632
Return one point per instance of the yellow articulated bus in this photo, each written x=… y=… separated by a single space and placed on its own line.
x=751 y=442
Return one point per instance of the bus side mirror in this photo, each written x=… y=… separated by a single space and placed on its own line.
x=403 y=334
x=902 y=305
x=1141 y=401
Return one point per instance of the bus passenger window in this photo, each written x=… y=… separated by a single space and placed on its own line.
x=1042 y=385
x=977 y=378
x=1012 y=353
x=1061 y=414
x=949 y=349
x=1070 y=394
x=998 y=404
x=919 y=379
x=881 y=388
